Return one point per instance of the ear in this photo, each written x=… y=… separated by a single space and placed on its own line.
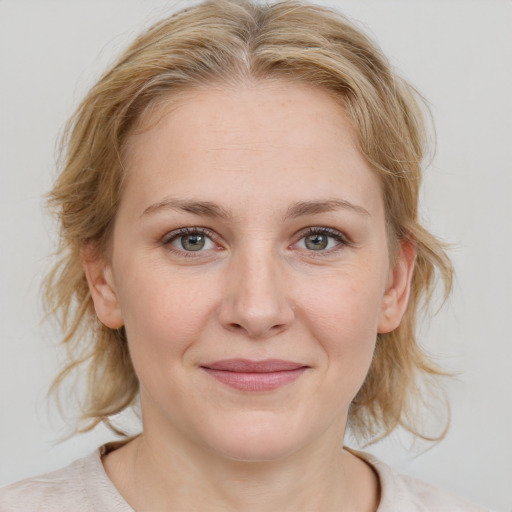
x=101 y=286
x=396 y=297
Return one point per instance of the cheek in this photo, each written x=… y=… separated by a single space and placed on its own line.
x=342 y=315
x=164 y=315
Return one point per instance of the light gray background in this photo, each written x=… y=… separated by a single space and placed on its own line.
x=457 y=52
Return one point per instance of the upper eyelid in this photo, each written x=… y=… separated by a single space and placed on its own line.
x=176 y=233
x=207 y=231
x=324 y=230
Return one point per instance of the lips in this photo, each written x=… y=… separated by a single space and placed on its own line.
x=246 y=375
x=247 y=366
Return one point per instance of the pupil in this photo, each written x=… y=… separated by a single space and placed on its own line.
x=192 y=242
x=316 y=242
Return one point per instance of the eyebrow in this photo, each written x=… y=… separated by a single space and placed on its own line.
x=302 y=208
x=295 y=210
x=204 y=208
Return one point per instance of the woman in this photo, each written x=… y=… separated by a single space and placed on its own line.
x=241 y=252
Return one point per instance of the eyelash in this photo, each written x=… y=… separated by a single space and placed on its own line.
x=342 y=240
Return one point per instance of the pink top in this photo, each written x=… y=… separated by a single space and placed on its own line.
x=83 y=486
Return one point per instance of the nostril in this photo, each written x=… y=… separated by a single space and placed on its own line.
x=256 y=332
x=255 y=315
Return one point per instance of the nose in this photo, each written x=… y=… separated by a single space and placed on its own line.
x=256 y=302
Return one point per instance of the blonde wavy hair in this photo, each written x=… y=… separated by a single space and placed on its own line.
x=228 y=41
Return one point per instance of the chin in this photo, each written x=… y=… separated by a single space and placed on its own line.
x=257 y=438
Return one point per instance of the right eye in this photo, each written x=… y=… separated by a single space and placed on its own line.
x=189 y=240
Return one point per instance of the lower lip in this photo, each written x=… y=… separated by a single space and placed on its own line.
x=246 y=381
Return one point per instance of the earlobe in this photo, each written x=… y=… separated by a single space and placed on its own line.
x=396 y=297
x=102 y=289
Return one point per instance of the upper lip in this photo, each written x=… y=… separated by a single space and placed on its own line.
x=248 y=366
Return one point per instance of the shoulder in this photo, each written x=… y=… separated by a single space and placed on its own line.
x=54 y=491
x=83 y=486
x=401 y=493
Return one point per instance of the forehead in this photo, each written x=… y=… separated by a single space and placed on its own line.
x=273 y=135
x=247 y=110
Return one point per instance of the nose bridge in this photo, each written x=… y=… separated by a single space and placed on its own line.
x=258 y=277
x=256 y=300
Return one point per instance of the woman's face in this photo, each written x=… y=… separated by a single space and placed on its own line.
x=250 y=228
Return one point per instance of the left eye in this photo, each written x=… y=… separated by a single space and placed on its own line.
x=321 y=241
x=192 y=242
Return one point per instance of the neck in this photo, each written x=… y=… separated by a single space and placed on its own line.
x=154 y=473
